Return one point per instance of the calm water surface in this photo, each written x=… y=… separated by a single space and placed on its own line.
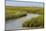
x=17 y=23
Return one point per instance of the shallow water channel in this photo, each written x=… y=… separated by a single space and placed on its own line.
x=17 y=23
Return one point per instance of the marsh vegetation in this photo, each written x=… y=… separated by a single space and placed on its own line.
x=35 y=22
x=18 y=13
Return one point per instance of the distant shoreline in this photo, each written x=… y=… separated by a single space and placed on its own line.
x=24 y=6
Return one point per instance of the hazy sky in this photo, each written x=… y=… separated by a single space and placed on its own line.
x=14 y=3
x=27 y=0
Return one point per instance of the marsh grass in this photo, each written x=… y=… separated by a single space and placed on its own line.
x=17 y=12
x=34 y=22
